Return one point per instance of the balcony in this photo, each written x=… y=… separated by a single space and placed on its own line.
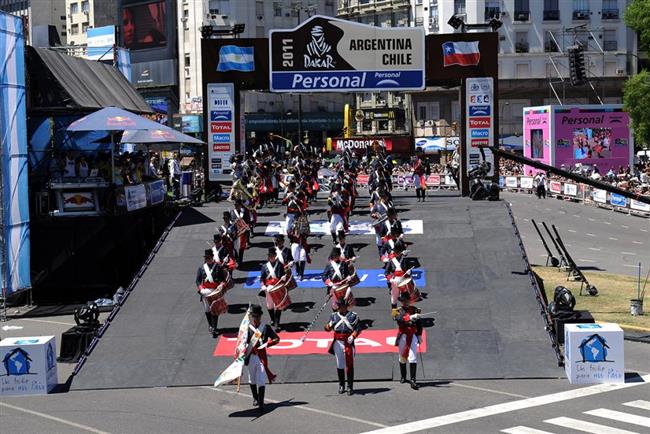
x=550 y=47
x=610 y=45
x=581 y=15
x=419 y=21
x=610 y=14
x=522 y=15
x=492 y=12
x=552 y=15
x=521 y=47
x=433 y=23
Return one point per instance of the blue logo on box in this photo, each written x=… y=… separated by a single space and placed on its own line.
x=480 y=133
x=588 y=326
x=618 y=200
x=221 y=138
x=479 y=110
x=220 y=115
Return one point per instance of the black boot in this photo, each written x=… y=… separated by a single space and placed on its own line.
x=341 y=373
x=215 y=322
x=414 y=368
x=301 y=270
x=260 y=398
x=208 y=316
x=402 y=373
x=417 y=193
x=278 y=314
x=240 y=257
x=272 y=316
x=334 y=239
x=254 y=393
x=350 y=381
x=424 y=193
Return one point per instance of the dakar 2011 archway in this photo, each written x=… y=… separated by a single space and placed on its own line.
x=325 y=54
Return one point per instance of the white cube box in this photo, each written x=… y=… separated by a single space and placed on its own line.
x=28 y=365
x=593 y=353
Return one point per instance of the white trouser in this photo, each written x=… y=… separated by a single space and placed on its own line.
x=336 y=223
x=394 y=292
x=256 y=371
x=412 y=357
x=288 y=222
x=298 y=252
x=339 y=352
x=204 y=292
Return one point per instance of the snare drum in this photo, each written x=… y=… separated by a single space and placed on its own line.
x=291 y=284
x=241 y=226
x=407 y=284
x=344 y=291
x=280 y=296
x=217 y=302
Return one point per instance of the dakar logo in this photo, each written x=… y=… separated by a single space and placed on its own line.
x=317 y=50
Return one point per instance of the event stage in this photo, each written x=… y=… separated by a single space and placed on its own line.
x=487 y=320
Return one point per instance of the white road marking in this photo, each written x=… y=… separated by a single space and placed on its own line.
x=507 y=407
x=619 y=416
x=467 y=386
x=625 y=227
x=581 y=425
x=628 y=253
x=643 y=230
x=54 y=418
x=304 y=407
x=44 y=321
x=591 y=220
x=585 y=260
x=590 y=235
x=630 y=266
x=612 y=238
x=637 y=242
x=524 y=430
x=595 y=249
x=576 y=215
x=608 y=223
x=571 y=230
x=644 y=405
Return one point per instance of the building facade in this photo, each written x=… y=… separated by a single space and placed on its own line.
x=82 y=15
x=39 y=15
x=533 y=61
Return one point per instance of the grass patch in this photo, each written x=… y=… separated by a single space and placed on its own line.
x=614 y=294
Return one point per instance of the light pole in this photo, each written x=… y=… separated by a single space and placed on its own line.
x=505 y=103
x=298 y=7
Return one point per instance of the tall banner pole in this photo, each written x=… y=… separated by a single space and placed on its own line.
x=464 y=180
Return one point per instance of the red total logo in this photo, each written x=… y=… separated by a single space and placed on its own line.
x=477 y=143
x=221 y=127
x=291 y=344
x=483 y=122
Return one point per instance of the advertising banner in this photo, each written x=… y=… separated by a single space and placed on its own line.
x=570 y=189
x=480 y=127
x=100 y=43
x=221 y=134
x=361 y=144
x=136 y=197
x=329 y=54
x=157 y=191
x=599 y=196
x=78 y=201
x=526 y=182
x=144 y=25
x=511 y=181
x=433 y=180
x=618 y=200
x=639 y=206
x=555 y=187
x=537 y=135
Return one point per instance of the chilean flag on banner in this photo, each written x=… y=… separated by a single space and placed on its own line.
x=461 y=53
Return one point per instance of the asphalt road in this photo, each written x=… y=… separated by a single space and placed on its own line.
x=597 y=239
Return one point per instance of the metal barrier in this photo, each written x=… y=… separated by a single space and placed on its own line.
x=404 y=181
x=576 y=192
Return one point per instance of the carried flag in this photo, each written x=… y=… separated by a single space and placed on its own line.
x=235 y=58
x=461 y=53
x=234 y=370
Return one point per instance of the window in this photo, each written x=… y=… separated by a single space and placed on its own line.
x=74 y=8
x=580 y=10
x=84 y=27
x=187 y=60
x=74 y=29
x=549 y=43
x=492 y=9
x=609 y=40
x=186 y=19
x=522 y=10
x=259 y=9
x=277 y=9
x=551 y=10
x=521 y=42
x=459 y=7
x=610 y=10
x=422 y=111
x=85 y=7
x=295 y=10
x=522 y=70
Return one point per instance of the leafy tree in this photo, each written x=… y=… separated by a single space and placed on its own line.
x=636 y=96
x=637 y=16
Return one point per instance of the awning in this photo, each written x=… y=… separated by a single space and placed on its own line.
x=60 y=82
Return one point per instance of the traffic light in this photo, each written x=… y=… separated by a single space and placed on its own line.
x=577 y=72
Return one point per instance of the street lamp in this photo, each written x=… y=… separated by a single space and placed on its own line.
x=501 y=122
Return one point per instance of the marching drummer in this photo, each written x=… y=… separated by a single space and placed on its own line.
x=296 y=205
x=392 y=226
x=221 y=254
x=378 y=212
x=228 y=233
x=260 y=337
x=282 y=253
x=409 y=337
x=395 y=270
x=346 y=327
x=299 y=251
x=209 y=277
x=347 y=252
x=338 y=210
x=240 y=217
x=272 y=272
x=336 y=270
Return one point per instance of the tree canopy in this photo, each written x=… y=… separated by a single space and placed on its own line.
x=636 y=96
x=637 y=16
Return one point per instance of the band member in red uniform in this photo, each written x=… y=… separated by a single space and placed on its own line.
x=392 y=226
x=271 y=273
x=408 y=338
x=347 y=252
x=260 y=337
x=378 y=210
x=221 y=253
x=338 y=210
x=283 y=253
x=395 y=269
x=335 y=270
x=296 y=204
x=240 y=216
x=299 y=251
x=228 y=233
x=209 y=277
x=346 y=327
x=420 y=172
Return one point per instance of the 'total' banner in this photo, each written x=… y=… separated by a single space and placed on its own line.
x=368 y=342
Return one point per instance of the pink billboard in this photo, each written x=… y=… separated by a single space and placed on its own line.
x=588 y=134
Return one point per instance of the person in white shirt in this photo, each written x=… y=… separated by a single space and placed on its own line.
x=175 y=175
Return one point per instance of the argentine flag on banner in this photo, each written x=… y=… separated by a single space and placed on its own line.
x=234 y=58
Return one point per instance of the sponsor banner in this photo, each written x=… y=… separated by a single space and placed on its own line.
x=480 y=122
x=617 y=200
x=479 y=143
x=357 y=227
x=221 y=143
x=570 y=189
x=599 y=196
x=373 y=278
x=157 y=192
x=555 y=187
x=363 y=179
x=136 y=197
x=479 y=133
x=78 y=201
x=511 y=181
x=433 y=180
x=361 y=144
x=480 y=110
x=526 y=182
x=318 y=342
x=639 y=206
x=449 y=180
x=325 y=54
x=479 y=130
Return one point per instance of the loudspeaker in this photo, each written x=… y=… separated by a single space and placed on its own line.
x=74 y=342
x=575 y=317
x=494 y=192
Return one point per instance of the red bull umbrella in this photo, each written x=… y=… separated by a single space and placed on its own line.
x=160 y=135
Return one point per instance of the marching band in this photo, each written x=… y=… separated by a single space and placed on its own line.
x=258 y=183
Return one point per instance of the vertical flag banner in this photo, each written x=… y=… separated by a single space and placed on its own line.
x=13 y=161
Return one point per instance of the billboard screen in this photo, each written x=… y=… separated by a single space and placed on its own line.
x=537 y=134
x=592 y=136
x=144 y=25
